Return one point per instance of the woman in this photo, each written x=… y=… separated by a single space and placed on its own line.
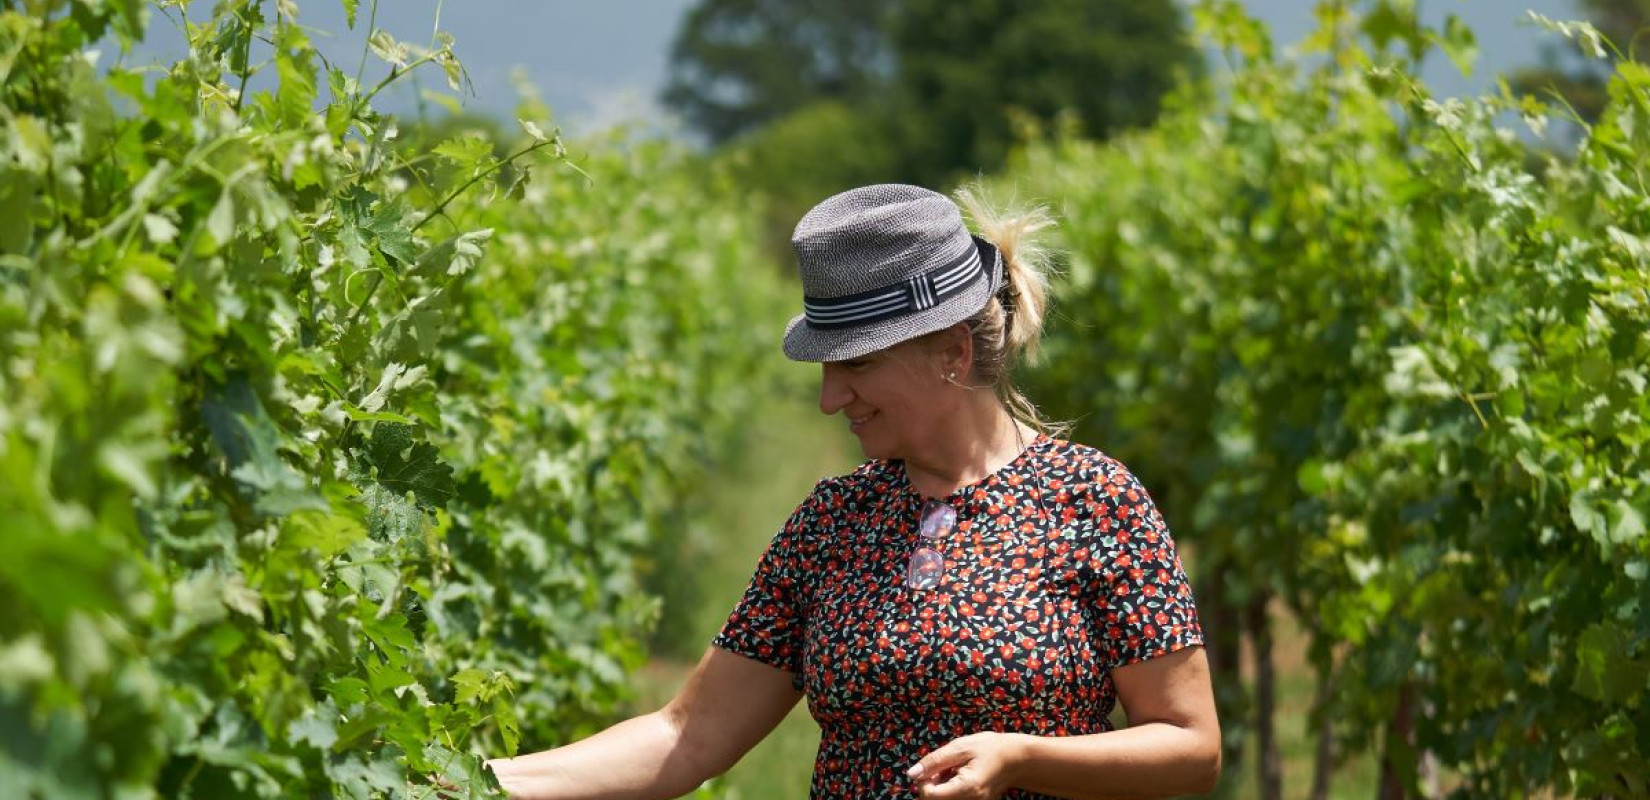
x=963 y=611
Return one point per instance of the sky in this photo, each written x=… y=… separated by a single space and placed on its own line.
x=601 y=62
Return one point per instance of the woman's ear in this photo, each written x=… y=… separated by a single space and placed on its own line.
x=957 y=352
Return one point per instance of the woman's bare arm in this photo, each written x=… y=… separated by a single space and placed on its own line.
x=727 y=705
x=1171 y=747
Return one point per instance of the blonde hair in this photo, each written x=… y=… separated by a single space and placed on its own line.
x=1008 y=330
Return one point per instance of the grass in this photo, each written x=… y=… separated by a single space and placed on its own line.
x=790 y=447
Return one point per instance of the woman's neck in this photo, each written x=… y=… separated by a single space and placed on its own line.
x=983 y=439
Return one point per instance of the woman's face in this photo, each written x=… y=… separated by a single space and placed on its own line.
x=894 y=400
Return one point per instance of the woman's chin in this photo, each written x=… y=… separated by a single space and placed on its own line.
x=869 y=447
x=873 y=448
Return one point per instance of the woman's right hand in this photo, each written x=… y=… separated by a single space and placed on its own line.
x=728 y=704
x=519 y=779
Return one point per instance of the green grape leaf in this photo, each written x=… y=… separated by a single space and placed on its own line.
x=385 y=677
x=1391 y=20
x=405 y=465
x=457 y=255
x=295 y=66
x=387 y=48
x=318 y=727
x=348 y=692
x=1606 y=670
x=469 y=152
x=389 y=228
x=328 y=534
x=367 y=778
x=249 y=441
x=391 y=636
x=1459 y=44
x=468 y=684
x=392 y=517
x=1626 y=522
x=220 y=222
x=16 y=203
x=414 y=333
x=509 y=725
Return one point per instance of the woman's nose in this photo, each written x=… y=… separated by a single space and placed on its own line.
x=834 y=393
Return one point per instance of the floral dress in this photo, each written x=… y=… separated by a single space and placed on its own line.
x=1058 y=570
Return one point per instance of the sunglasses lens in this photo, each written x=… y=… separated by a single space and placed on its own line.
x=925 y=569
x=937 y=520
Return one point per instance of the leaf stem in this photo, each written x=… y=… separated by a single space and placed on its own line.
x=441 y=207
x=355 y=315
x=395 y=74
x=246 y=56
x=491 y=169
x=1483 y=423
x=366 y=47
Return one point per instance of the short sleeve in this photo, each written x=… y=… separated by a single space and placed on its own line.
x=769 y=621
x=1135 y=581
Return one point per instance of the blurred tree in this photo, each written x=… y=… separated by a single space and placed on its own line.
x=738 y=64
x=968 y=68
x=943 y=81
x=810 y=154
x=1583 y=87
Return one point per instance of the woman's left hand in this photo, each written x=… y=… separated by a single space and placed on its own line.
x=975 y=767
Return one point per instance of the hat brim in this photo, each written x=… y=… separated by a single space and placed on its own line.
x=806 y=343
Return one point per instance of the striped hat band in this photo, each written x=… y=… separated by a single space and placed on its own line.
x=918 y=293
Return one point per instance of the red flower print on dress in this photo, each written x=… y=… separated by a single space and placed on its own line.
x=1058 y=570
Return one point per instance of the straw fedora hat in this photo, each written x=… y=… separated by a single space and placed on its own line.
x=882 y=264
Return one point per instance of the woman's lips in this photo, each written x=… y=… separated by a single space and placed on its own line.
x=857 y=424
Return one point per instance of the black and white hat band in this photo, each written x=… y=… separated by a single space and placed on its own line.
x=917 y=293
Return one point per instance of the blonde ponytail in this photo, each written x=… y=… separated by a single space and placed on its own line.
x=1009 y=328
x=1016 y=234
